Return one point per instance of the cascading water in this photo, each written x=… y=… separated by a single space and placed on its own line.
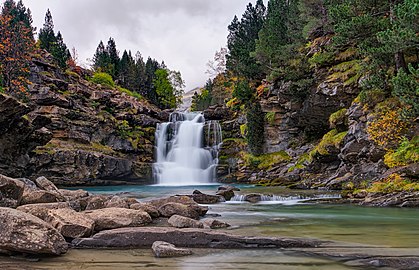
x=186 y=150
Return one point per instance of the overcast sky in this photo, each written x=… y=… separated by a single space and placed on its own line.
x=183 y=33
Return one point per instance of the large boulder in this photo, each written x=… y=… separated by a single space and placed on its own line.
x=11 y=191
x=42 y=196
x=150 y=209
x=171 y=208
x=43 y=183
x=72 y=195
x=111 y=218
x=70 y=223
x=94 y=202
x=117 y=202
x=184 y=222
x=22 y=232
x=184 y=200
x=166 y=250
x=40 y=210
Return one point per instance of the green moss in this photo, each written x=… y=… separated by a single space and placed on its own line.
x=406 y=153
x=393 y=183
x=49 y=148
x=101 y=148
x=330 y=139
x=243 y=130
x=270 y=117
x=265 y=161
x=72 y=74
x=302 y=162
x=46 y=74
x=320 y=59
x=371 y=97
x=337 y=118
x=348 y=72
x=130 y=93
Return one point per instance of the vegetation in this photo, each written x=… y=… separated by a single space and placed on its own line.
x=330 y=140
x=406 y=153
x=103 y=79
x=265 y=161
x=394 y=183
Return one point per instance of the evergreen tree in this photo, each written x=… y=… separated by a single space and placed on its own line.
x=241 y=41
x=60 y=52
x=47 y=36
x=151 y=67
x=16 y=45
x=112 y=52
x=100 y=58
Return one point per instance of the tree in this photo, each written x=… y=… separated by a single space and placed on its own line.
x=47 y=36
x=151 y=67
x=164 y=89
x=241 y=42
x=113 y=68
x=100 y=58
x=218 y=65
x=60 y=52
x=16 y=45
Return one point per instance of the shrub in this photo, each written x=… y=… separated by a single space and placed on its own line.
x=103 y=79
x=270 y=117
x=130 y=93
x=406 y=88
x=321 y=59
x=406 y=153
x=371 y=97
x=393 y=183
x=387 y=129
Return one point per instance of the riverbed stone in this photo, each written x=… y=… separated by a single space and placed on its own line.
x=140 y=237
x=203 y=198
x=23 y=232
x=146 y=207
x=184 y=222
x=41 y=196
x=253 y=197
x=11 y=191
x=211 y=223
x=171 y=208
x=111 y=218
x=166 y=250
x=185 y=200
x=70 y=223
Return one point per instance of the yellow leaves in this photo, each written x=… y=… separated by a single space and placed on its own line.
x=393 y=183
x=388 y=129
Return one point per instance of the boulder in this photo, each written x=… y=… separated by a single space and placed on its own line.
x=211 y=223
x=166 y=250
x=11 y=191
x=200 y=197
x=185 y=200
x=40 y=210
x=43 y=183
x=184 y=222
x=227 y=192
x=41 y=196
x=111 y=218
x=70 y=223
x=148 y=208
x=23 y=232
x=253 y=197
x=228 y=187
x=171 y=208
x=117 y=202
x=94 y=202
x=72 y=195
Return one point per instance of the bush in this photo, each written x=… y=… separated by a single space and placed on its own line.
x=406 y=88
x=406 y=153
x=130 y=93
x=103 y=79
x=393 y=183
x=387 y=129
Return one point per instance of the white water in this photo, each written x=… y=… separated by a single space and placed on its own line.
x=183 y=155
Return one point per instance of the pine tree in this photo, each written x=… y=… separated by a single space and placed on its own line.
x=241 y=41
x=100 y=58
x=151 y=67
x=60 y=52
x=47 y=36
x=16 y=45
x=112 y=52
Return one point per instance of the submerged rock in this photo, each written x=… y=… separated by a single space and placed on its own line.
x=211 y=223
x=166 y=250
x=22 y=232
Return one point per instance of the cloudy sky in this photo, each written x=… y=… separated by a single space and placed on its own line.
x=183 y=33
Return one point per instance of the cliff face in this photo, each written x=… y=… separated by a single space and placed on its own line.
x=76 y=132
x=315 y=140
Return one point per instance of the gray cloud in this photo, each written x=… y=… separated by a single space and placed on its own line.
x=183 y=33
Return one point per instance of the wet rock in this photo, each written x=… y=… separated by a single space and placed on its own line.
x=22 y=232
x=184 y=222
x=70 y=223
x=226 y=193
x=11 y=191
x=184 y=200
x=228 y=187
x=111 y=218
x=211 y=223
x=41 y=196
x=171 y=208
x=140 y=237
x=166 y=250
x=148 y=208
x=253 y=197
x=200 y=197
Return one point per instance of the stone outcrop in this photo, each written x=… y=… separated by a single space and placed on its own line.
x=25 y=233
x=75 y=132
x=166 y=250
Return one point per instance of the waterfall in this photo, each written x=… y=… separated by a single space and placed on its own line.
x=186 y=150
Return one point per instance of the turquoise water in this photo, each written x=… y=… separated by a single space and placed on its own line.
x=389 y=227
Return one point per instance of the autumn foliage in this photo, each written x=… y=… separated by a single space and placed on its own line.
x=16 y=44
